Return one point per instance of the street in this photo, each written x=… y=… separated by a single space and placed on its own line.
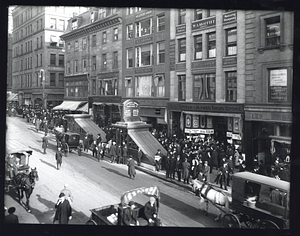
x=93 y=184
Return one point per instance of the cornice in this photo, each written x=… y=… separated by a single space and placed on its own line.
x=95 y=26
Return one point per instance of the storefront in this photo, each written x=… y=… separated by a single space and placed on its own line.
x=106 y=109
x=222 y=122
x=268 y=131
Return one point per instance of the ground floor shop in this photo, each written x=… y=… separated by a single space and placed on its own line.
x=268 y=132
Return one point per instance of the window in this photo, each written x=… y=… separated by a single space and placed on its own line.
x=198 y=14
x=61 y=80
x=204 y=87
x=138 y=9
x=129 y=55
x=181 y=49
x=76 y=66
x=37 y=60
x=129 y=10
x=110 y=86
x=115 y=34
x=74 y=24
x=52 y=59
x=198 y=47
x=161 y=52
x=102 y=13
x=115 y=59
x=128 y=87
x=41 y=59
x=84 y=43
x=231 y=38
x=76 y=45
x=52 y=79
x=279 y=85
x=84 y=64
x=144 y=55
x=182 y=13
x=104 y=37
x=94 y=40
x=144 y=27
x=68 y=67
x=61 y=60
x=181 y=87
x=69 y=47
x=160 y=23
x=129 y=29
x=53 y=23
x=93 y=62
x=94 y=87
x=143 y=86
x=104 y=61
x=159 y=82
x=61 y=25
x=211 y=12
x=211 y=45
x=273 y=31
x=231 y=86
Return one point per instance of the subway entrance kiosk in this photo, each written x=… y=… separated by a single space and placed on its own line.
x=135 y=133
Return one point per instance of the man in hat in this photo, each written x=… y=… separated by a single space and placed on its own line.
x=58 y=157
x=206 y=172
x=130 y=215
x=11 y=218
x=131 y=168
x=63 y=210
x=150 y=211
x=113 y=152
x=67 y=193
x=45 y=143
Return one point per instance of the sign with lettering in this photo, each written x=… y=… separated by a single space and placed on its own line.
x=144 y=40
x=278 y=85
x=267 y=116
x=195 y=121
x=108 y=75
x=180 y=66
x=180 y=29
x=145 y=13
x=172 y=55
x=203 y=64
x=204 y=23
x=229 y=17
x=213 y=107
x=229 y=61
x=131 y=111
x=143 y=70
x=199 y=131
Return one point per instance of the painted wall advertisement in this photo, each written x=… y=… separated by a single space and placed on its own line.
x=131 y=111
x=278 y=85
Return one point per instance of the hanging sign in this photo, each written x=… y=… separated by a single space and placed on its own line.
x=131 y=110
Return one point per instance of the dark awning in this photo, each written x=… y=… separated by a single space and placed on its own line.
x=84 y=108
x=69 y=105
x=147 y=143
x=90 y=127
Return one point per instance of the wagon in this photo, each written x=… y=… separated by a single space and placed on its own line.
x=68 y=142
x=113 y=214
x=259 y=202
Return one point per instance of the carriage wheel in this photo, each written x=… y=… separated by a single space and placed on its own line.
x=230 y=221
x=266 y=224
x=249 y=221
x=91 y=222
x=66 y=149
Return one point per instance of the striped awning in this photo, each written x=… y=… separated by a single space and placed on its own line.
x=90 y=127
x=129 y=195
x=69 y=105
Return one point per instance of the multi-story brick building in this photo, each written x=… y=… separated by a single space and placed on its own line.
x=207 y=81
x=37 y=50
x=268 y=84
x=94 y=62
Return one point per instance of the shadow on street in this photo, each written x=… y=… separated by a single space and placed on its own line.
x=47 y=163
x=115 y=172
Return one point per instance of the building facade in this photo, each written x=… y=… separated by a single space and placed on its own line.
x=94 y=62
x=207 y=84
x=268 y=84
x=38 y=56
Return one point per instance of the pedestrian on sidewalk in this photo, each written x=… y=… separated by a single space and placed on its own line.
x=94 y=149
x=140 y=154
x=58 y=157
x=102 y=152
x=230 y=166
x=68 y=194
x=124 y=152
x=131 y=168
x=178 y=168
x=11 y=218
x=157 y=159
x=99 y=149
x=63 y=210
x=168 y=165
x=206 y=172
x=185 y=171
x=223 y=177
x=45 y=143
x=119 y=154
x=86 y=143
x=113 y=152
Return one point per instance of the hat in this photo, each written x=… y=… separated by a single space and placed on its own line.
x=131 y=203
x=11 y=210
x=61 y=195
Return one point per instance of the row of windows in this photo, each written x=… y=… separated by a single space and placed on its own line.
x=57 y=24
x=53 y=61
x=145 y=27
x=28 y=30
x=55 y=80
x=199 y=14
x=76 y=89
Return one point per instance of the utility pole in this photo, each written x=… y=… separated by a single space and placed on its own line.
x=42 y=77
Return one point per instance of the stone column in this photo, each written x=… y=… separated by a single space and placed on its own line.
x=189 y=56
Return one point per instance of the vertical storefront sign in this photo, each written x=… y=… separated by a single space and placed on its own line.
x=188 y=120
x=236 y=125
x=202 y=121
x=209 y=122
x=229 y=123
x=172 y=55
x=131 y=111
x=195 y=121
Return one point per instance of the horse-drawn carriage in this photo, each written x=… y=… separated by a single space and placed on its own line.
x=257 y=202
x=114 y=214
x=68 y=141
x=18 y=174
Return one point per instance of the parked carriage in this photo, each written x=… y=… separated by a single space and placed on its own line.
x=113 y=214
x=68 y=142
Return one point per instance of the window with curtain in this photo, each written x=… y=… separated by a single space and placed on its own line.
x=129 y=29
x=273 y=31
x=144 y=27
x=182 y=14
x=181 y=88
x=211 y=45
x=231 y=40
x=144 y=55
x=231 y=86
x=181 y=49
x=128 y=87
x=143 y=86
x=198 y=47
x=204 y=87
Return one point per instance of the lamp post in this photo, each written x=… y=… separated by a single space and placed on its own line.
x=42 y=76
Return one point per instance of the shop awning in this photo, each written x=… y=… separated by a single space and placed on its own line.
x=147 y=143
x=12 y=97
x=90 y=127
x=69 y=105
x=161 y=121
x=213 y=114
x=84 y=108
x=280 y=139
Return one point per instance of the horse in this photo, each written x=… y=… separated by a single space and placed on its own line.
x=208 y=194
x=26 y=183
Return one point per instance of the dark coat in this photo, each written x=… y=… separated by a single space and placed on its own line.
x=11 y=219
x=149 y=210
x=185 y=170
x=45 y=142
x=206 y=170
x=63 y=212
x=214 y=157
x=131 y=168
x=130 y=216
x=125 y=151
x=58 y=157
x=113 y=150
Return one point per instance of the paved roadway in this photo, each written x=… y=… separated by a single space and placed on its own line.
x=94 y=184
